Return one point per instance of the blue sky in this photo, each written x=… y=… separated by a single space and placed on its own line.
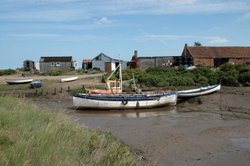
x=30 y=29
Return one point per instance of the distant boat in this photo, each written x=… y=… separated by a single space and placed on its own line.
x=36 y=84
x=199 y=91
x=19 y=81
x=123 y=101
x=69 y=79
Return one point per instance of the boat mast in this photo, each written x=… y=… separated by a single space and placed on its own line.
x=120 y=74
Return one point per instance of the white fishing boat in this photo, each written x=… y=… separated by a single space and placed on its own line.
x=123 y=101
x=19 y=81
x=199 y=91
x=69 y=79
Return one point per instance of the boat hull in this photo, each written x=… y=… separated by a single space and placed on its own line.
x=199 y=91
x=88 y=101
x=36 y=84
x=69 y=79
x=19 y=81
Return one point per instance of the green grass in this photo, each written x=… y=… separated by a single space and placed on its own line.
x=29 y=136
x=7 y=87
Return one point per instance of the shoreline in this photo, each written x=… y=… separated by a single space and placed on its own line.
x=206 y=130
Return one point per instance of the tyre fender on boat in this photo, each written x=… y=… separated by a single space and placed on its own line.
x=125 y=101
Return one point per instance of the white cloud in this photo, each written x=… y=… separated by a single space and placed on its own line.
x=217 y=40
x=57 y=37
x=67 y=10
x=35 y=35
x=169 y=37
x=246 y=16
x=104 y=21
x=165 y=38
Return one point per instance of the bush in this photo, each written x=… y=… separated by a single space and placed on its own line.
x=81 y=71
x=180 y=81
x=201 y=80
x=204 y=75
x=55 y=72
x=229 y=80
x=242 y=68
x=227 y=67
x=152 y=80
x=229 y=75
x=7 y=72
x=244 y=78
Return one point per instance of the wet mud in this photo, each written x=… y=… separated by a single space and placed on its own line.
x=207 y=130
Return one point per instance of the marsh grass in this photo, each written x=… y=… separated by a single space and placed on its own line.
x=29 y=136
x=7 y=87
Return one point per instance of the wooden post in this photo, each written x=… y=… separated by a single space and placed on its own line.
x=54 y=91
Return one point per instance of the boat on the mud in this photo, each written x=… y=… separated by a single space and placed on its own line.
x=123 y=101
x=199 y=91
x=69 y=79
x=19 y=81
x=36 y=84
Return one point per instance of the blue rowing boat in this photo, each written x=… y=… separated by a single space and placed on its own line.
x=36 y=84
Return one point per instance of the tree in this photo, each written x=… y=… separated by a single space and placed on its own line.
x=197 y=44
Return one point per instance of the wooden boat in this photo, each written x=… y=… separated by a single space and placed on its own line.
x=36 y=84
x=19 y=81
x=69 y=79
x=112 y=86
x=123 y=101
x=199 y=91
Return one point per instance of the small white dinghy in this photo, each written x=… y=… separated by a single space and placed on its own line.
x=19 y=81
x=199 y=91
x=69 y=79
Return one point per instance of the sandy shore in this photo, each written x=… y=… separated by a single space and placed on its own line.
x=208 y=130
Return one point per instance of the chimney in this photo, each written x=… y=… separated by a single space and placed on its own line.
x=135 y=53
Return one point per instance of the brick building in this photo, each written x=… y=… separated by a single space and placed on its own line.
x=152 y=61
x=214 y=56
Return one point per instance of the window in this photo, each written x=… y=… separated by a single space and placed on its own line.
x=58 y=64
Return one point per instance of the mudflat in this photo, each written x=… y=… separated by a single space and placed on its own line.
x=207 y=130
x=204 y=132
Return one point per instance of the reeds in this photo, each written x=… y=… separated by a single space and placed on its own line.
x=29 y=136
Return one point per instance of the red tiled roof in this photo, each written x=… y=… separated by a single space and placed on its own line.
x=219 y=52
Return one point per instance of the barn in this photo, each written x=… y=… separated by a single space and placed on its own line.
x=214 y=56
x=152 y=61
x=64 y=63
x=106 y=63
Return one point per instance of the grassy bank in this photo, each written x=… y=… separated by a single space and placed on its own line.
x=29 y=136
